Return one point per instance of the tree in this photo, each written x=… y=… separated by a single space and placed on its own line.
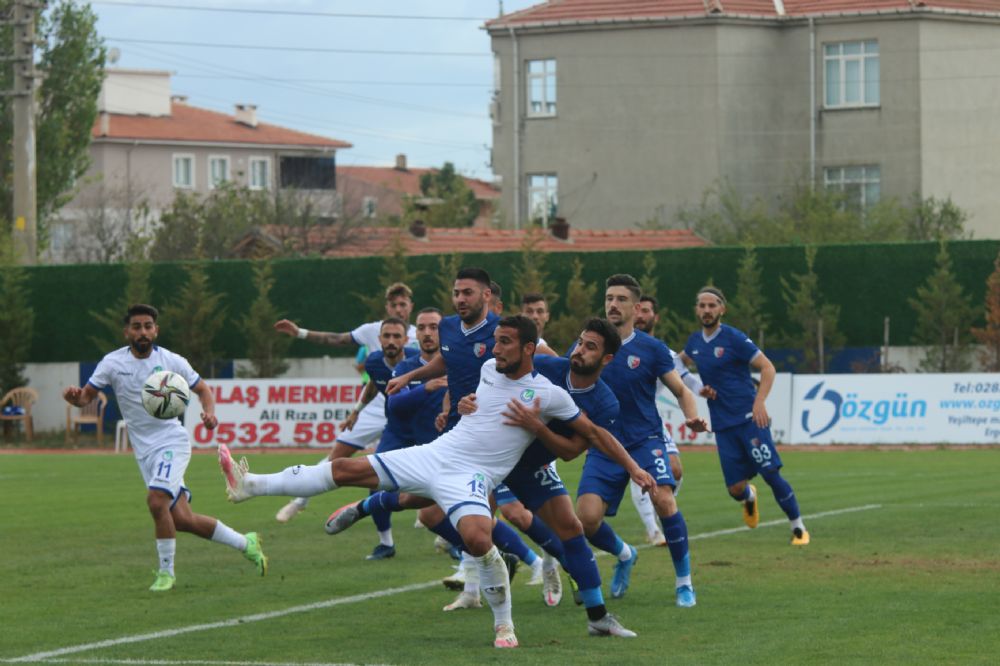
x=530 y=275
x=448 y=267
x=193 y=320
x=137 y=290
x=745 y=309
x=446 y=201
x=267 y=351
x=394 y=269
x=944 y=312
x=989 y=335
x=17 y=318
x=195 y=227
x=672 y=327
x=72 y=63
x=581 y=301
x=113 y=227
x=933 y=219
x=805 y=310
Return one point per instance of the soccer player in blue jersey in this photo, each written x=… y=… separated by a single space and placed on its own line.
x=633 y=374
x=724 y=356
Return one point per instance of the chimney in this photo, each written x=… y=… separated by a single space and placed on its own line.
x=180 y=99
x=560 y=228
x=105 y=126
x=246 y=114
x=401 y=162
x=418 y=229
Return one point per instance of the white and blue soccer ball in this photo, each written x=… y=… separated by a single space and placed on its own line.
x=165 y=395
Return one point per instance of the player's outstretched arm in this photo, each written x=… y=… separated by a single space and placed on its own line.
x=672 y=380
x=609 y=445
x=522 y=416
x=79 y=397
x=434 y=368
x=207 y=399
x=319 y=337
x=366 y=396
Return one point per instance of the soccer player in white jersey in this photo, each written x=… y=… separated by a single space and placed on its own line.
x=162 y=448
x=368 y=424
x=460 y=468
x=646 y=318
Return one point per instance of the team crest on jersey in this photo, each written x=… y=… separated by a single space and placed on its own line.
x=157 y=368
x=719 y=351
x=633 y=361
x=658 y=453
x=479 y=349
x=527 y=395
x=755 y=442
x=168 y=455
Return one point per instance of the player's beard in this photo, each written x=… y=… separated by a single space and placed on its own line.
x=644 y=326
x=576 y=362
x=391 y=353
x=510 y=368
x=142 y=346
x=474 y=313
x=430 y=347
x=712 y=322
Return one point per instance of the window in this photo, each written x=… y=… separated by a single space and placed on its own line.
x=861 y=185
x=260 y=173
x=307 y=173
x=369 y=205
x=218 y=170
x=852 y=74
x=184 y=171
x=541 y=88
x=543 y=198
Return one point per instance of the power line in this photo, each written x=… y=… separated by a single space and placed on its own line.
x=285 y=12
x=302 y=49
x=351 y=82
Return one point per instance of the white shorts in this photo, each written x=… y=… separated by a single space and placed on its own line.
x=369 y=426
x=163 y=469
x=459 y=487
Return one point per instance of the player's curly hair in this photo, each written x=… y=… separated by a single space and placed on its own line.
x=624 y=280
x=607 y=331
x=140 y=309
x=526 y=329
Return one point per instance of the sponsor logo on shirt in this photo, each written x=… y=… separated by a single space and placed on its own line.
x=527 y=395
x=719 y=351
x=445 y=348
x=479 y=349
x=633 y=361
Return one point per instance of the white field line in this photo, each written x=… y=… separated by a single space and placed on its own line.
x=49 y=656
x=192 y=662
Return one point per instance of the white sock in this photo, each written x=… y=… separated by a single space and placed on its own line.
x=227 y=535
x=301 y=502
x=165 y=549
x=644 y=506
x=471 y=568
x=549 y=563
x=495 y=584
x=385 y=538
x=684 y=580
x=799 y=524
x=298 y=480
x=626 y=553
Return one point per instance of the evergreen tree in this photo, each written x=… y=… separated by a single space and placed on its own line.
x=448 y=267
x=446 y=201
x=394 y=269
x=804 y=311
x=745 y=310
x=266 y=351
x=943 y=316
x=647 y=281
x=193 y=320
x=581 y=304
x=672 y=327
x=530 y=275
x=137 y=290
x=17 y=318
x=989 y=335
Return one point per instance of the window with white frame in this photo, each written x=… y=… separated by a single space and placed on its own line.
x=260 y=173
x=861 y=185
x=218 y=170
x=851 y=74
x=543 y=198
x=541 y=88
x=369 y=207
x=184 y=171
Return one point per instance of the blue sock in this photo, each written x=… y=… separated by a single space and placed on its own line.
x=447 y=531
x=541 y=534
x=582 y=566
x=783 y=493
x=507 y=540
x=380 y=505
x=676 y=532
x=746 y=493
x=606 y=539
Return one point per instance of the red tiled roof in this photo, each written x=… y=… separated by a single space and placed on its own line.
x=590 y=11
x=376 y=240
x=407 y=181
x=190 y=123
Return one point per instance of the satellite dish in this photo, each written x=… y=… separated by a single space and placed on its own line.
x=114 y=55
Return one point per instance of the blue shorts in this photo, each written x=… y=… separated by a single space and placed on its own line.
x=745 y=451
x=390 y=441
x=533 y=487
x=607 y=479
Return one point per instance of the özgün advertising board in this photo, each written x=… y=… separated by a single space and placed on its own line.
x=896 y=409
x=779 y=408
x=274 y=412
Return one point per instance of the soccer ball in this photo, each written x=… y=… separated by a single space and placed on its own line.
x=165 y=395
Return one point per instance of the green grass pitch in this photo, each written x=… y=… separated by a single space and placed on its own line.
x=904 y=567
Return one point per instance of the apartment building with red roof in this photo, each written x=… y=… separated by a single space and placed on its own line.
x=147 y=145
x=614 y=112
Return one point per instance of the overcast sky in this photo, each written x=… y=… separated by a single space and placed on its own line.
x=329 y=67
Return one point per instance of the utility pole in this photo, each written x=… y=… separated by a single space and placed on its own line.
x=25 y=232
